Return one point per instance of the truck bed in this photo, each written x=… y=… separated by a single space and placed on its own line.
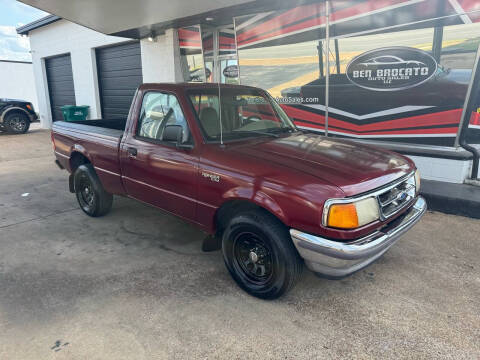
x=97 y=140
x=111 y=127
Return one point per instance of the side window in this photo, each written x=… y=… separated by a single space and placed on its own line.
x=158 y=111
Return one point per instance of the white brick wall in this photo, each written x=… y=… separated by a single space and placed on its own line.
x=62 y=37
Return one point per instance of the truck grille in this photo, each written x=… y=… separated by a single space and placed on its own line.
x=396 y=197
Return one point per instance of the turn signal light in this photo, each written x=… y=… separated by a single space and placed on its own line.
x=343 y=216
x=29 y=107
x=351 y=215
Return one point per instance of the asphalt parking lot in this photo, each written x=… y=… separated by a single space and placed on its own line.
x=136 y=285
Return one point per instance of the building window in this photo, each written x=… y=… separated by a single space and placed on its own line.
x=191 y=56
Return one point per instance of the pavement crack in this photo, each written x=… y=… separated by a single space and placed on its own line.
x=38 y=218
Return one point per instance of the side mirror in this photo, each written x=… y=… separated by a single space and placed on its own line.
x=174 y=133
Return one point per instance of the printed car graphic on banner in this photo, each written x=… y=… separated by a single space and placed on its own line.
x=399 y=81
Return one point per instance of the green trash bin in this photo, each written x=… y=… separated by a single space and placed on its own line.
x=75 y=113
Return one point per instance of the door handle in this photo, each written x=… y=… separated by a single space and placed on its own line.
x=132 y=152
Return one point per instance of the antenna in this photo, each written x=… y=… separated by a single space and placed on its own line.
x=220 y=116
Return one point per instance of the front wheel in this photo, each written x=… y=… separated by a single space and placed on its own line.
x=17 y=123
x=260 y=255
x=91 y=196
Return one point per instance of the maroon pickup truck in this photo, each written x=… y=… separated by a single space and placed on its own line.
x=229 y=160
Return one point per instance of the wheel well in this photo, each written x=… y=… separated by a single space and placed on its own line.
x=14 y=111
x=231 y=208
x=76 y=160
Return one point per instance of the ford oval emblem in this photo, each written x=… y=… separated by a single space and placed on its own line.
x=391 y=69
x=231 y=71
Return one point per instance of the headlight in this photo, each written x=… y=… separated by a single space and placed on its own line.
x=350 y=215
x=417 y=182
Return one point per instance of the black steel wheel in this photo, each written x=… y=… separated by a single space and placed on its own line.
x=260 y=255
x=91 y=196
x=252 y=257
x=86 y=194
x=17 y=123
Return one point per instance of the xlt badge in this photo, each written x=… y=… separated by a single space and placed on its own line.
x=212 y=177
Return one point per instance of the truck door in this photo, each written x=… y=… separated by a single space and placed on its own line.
x=155 y=171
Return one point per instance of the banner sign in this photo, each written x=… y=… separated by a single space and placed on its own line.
x=391 y=69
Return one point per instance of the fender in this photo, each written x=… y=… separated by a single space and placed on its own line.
x=75 y=149
x=81 y=150
x=258 y=198
x=8 y=109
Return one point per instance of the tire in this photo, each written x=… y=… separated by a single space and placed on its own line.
x=260 y=255
x=17 y=123
x=91 y=196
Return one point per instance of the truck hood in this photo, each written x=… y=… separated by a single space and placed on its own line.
x=354 y=168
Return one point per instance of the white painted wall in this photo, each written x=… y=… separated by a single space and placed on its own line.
x=17 y=82
x=159 y=61
x=161 y=58
x=447 y=170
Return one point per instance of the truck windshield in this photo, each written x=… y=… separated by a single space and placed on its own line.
x=244 y=113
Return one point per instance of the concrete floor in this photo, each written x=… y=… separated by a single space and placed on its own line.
x=135 y=285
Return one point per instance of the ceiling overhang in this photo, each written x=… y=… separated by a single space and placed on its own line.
x=140 y=18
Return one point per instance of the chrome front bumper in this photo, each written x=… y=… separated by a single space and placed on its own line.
x=336 y=259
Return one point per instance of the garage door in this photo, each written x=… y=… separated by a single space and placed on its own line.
x=60 y=84
x=119 y=70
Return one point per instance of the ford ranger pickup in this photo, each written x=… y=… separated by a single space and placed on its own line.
x=228 y=159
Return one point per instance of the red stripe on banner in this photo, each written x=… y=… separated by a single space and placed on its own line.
x=469 y=5
x=363 y=8
x=189 y=44
x=435 y=131
x=288 y=17
x=450 y=117
x=475 y=119
x=439 y=131
x=227 y=46
x=297 y=14
x=189 y=38
x=278 y=22
x=189 y=34
x=208 y=43
x=226 y=40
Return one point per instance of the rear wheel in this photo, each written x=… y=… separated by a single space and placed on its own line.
x=91 y=196
x=17 y=123
x=260 y=255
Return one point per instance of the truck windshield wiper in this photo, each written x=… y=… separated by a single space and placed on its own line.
x=255 y=132
x=285 y=129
